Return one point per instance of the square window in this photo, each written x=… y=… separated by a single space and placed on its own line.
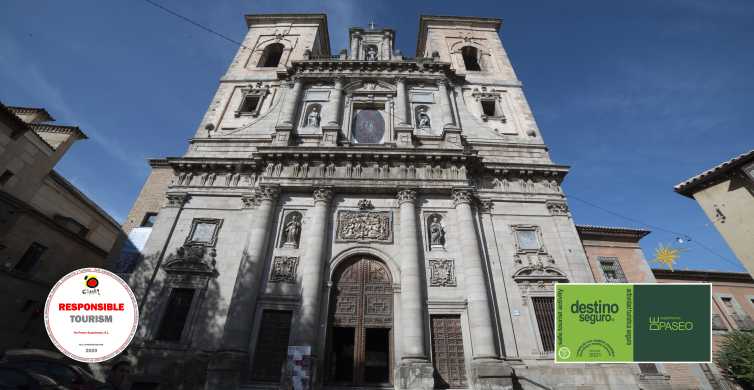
x=148 y=220
x=204 y=231
x=527 y=239
x=612 y=270
x=250 y=104
x=488 y=107
x=5 y=177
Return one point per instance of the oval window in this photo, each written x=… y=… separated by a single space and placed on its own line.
x=368 y=127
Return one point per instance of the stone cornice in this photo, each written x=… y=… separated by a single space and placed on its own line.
x=46 y=128
x=422 y=68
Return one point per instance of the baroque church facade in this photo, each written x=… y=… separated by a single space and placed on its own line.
x=361 y=220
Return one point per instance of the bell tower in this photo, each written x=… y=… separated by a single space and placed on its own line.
x=371 y=44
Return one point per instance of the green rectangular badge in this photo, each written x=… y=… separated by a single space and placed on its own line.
x=626 y=323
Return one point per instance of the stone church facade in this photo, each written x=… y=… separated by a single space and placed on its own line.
x=389 y=221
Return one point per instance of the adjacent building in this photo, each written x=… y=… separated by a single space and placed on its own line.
x=726 y=194
x=47 y=226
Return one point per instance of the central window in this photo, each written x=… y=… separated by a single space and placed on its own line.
x=368 y=126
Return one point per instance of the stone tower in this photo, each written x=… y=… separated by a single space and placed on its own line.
x=367 y=218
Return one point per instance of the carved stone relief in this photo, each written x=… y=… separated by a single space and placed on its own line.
x=291 y=233
x=558 y=208
x=369 y=226
x=435 y=231
x=442 y=273
x=284 y=269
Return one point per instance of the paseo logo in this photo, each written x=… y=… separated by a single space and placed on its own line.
x=594 y=312
x=670 y=324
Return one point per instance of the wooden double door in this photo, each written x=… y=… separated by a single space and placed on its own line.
x=360 y=324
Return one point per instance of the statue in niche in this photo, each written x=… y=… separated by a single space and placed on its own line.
x=422 y=118
x=436 y=232
x=292 y=231
x=371 y=53
x=312 y=120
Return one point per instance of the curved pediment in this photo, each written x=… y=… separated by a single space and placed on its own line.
x=369 y=86
x=534 y=273
x=191 y=259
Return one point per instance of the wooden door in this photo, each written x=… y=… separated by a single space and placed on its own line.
x=361 y=321
x=447 y=351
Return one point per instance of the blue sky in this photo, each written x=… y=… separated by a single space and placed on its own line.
x=634 y=96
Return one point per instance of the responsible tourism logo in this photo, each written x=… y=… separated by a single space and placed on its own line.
x=91 y=315
x=623 y=322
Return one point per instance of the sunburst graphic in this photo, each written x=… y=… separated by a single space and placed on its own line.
x=666 y=254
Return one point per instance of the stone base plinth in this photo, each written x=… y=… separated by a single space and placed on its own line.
x=415 y=376
x=224 y=370
x=491 y=375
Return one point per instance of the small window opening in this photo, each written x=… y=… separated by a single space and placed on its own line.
x=470 y=58
x=176 y=314
x=271 y=56
x=250 y=103
x=149 y=220
x=5 y=177
x=488 y=107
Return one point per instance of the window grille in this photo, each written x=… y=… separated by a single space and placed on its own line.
x=544 y=310
x=612 y=270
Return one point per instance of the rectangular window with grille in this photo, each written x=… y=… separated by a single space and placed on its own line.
x=176 y=314
x=30 y=258
x=272 y=346
x=648 y=368
x=612 y=270
x=544 y=310
x=742 y=320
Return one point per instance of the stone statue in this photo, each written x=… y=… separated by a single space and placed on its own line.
x=292 y=232
x=423 y=118
x=312 y=119
x=436 y=233
x=371 y=54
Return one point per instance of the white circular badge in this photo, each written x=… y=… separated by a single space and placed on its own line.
x=91 y=315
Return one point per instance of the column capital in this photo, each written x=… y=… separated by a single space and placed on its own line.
x=486 y=206
x=462 y=196
x=323 y=195
x=406 y=195
x=249 y=201
x=177 y=199
x=267 y=192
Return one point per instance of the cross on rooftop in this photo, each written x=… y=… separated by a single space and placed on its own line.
x=371 y=25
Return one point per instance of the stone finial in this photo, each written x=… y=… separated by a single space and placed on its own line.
x=177 y=199
x=462 y=197
x=406 y=195
x=323 y=194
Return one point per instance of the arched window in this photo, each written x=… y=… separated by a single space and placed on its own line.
x=271 y=56
x=471 y=58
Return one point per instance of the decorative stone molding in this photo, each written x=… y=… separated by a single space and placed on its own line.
x=284 y=269
x=486 y=206
x=269 y=193
x=462 y=197
x=204 y=231
x=558 y=208
x=442 y=273
x=365 y=204
x=406 y=195
x=177 y=199
x=191 y=259
x=249 y=201
x=364 y=226
x=530 y=248
x=323 y=195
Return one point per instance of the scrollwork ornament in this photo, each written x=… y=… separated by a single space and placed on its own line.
x=249 y=201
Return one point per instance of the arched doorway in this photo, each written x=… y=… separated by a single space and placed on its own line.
x=360 y=323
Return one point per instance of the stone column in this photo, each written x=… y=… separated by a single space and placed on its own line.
x=415 y=371
x=446 y=110
x=336 y=104
x=225 y=368
x=288 y=112
x=401 y=103
x=307 y=328
x=480 y=316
